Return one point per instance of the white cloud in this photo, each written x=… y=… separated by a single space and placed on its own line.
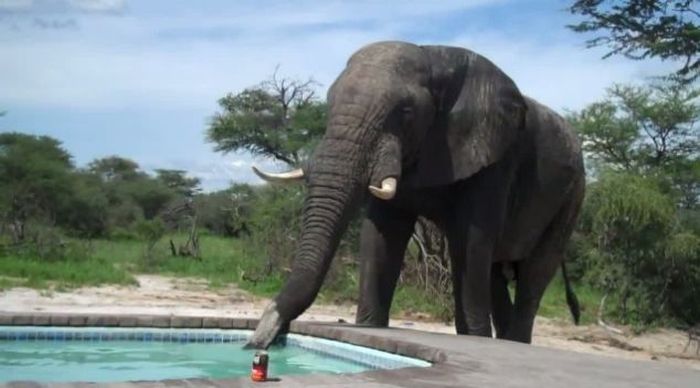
x=240 y=163
x=15 y=5
x=98 y=5
x=62 y=6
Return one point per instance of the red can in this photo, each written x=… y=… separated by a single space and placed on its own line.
x=260 y=361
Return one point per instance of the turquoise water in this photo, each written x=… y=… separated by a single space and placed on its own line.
x=104 y=361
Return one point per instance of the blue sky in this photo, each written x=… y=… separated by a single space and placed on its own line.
x=141 y=79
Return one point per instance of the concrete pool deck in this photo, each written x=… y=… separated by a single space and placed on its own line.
x=461 y=361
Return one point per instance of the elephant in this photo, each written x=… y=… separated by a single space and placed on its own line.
x=443 y=133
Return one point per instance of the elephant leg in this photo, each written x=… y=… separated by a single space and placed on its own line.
x=501 y=304
x=535 y=272
x=458 y=257
x=384 y=236
x=473 y=230
x=472 y=294
x=470 y=251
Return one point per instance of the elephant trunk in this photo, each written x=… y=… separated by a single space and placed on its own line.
x=343 y=164
x=336 y=185
x=327 y=211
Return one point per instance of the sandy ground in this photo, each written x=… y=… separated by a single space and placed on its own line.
x=164 y=295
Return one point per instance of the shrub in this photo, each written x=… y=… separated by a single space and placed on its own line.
x=227 y=212
x=275 y=224
x=48 y=244
x=151 y=231
x=123 y=234
x=636 y=251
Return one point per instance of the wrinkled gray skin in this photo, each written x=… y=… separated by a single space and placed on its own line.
x=501 y=174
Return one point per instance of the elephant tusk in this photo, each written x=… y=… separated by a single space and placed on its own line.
x=387 y=191
x=283 y=177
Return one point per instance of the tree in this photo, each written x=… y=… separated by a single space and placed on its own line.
x=150 y=195
x=132 y=193
x=85 y=213
x=34 y=180
x=227 y=212
x=638 y=235
x=114 y=168
x=151 y=231
x=637 y=253
x=280 y=119
x=639 y=29
x=647 y=130
x=177 y=181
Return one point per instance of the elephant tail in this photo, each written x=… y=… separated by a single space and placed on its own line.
x=571 y=298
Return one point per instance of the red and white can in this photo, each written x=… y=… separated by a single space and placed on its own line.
x=260 y=361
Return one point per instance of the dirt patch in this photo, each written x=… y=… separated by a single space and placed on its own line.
x=184 y=296
x=609 y=341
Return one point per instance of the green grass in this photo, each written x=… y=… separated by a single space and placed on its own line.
x=115 y=262
x=224 y=261
x=268 y=287
x=7 y=283
x=28 y=272
x=122 y=253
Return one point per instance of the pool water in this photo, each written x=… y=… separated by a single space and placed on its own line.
x=50 y=361
x=112 y=355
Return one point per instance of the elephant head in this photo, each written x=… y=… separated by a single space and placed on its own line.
x=401 y=116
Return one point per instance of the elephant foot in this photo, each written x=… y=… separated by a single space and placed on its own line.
x=480 y=330
x=524 y=337
x=268 y=328
x=371 y=324
x=365 y=317
x=473 y=324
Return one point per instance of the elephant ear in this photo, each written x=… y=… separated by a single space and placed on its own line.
x=479 y=115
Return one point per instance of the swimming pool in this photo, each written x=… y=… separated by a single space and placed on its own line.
x=99 y=354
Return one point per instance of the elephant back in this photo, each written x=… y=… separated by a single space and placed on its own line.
x=557 y=148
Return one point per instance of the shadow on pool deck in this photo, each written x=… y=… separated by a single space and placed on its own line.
x=462 y=361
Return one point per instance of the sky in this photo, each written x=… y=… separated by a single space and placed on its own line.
x=141 y=79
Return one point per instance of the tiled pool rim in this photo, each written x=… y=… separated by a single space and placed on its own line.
x=369 y=358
